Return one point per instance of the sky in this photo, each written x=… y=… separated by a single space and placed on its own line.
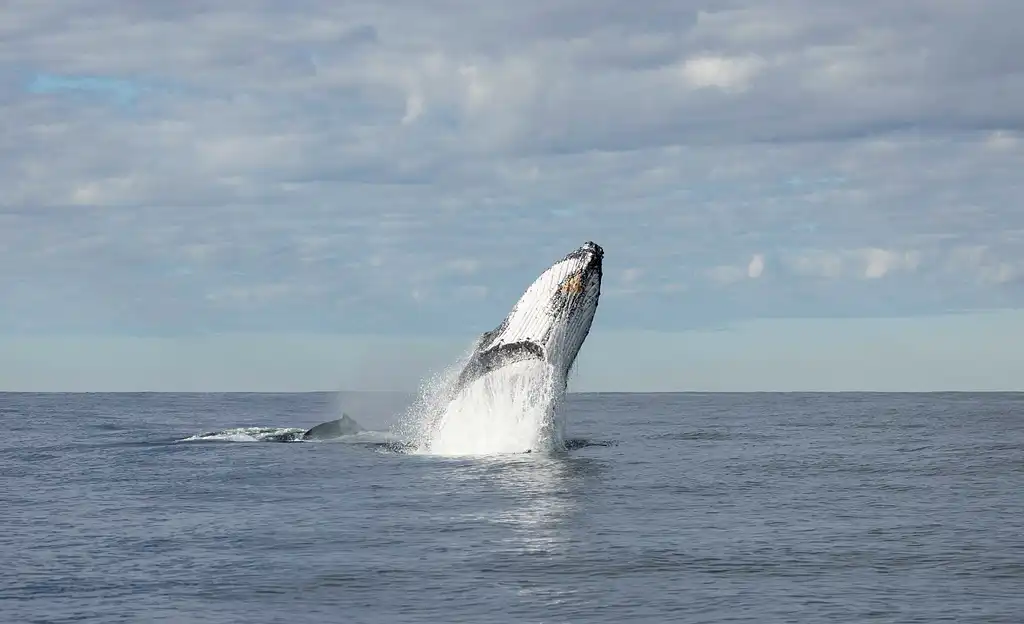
x=315 y=195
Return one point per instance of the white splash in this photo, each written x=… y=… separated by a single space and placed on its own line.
x=509 y=410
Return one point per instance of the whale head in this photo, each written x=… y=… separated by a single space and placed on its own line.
x=549 y=322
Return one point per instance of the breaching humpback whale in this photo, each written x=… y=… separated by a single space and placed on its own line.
x=549 y=322
x=547 y=326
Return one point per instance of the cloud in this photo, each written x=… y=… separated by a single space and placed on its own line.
x=360 y=167
x=980 y=263
x=728 y=74
x=868 y=263
x=882 y=261
x=756 y=266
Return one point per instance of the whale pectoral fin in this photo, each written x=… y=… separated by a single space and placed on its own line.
x=333 y=429
x=505 y=354
x=486 y=361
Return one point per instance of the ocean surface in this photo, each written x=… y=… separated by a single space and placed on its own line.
x=684 y=508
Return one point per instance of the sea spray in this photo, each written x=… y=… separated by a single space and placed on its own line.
x=513 y=409
x=510 y=410
x=435 y=392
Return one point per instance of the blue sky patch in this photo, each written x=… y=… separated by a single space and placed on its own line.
x=121 y=91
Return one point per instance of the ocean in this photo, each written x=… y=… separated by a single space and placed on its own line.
x=764 y=508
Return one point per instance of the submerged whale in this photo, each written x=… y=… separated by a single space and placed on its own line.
x=332 y=429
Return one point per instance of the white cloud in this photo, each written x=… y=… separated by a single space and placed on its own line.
x=726 y=73
x=414 y=105
x=868 y=263
x=756 y=266
x=882 y=261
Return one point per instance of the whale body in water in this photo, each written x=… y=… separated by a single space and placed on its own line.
x=333 y=429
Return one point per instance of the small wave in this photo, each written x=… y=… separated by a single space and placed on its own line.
x=701 y=434
x=578 y=443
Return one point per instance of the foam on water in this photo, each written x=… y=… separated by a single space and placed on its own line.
x=284 y=434
x=510 y=410
x=246 y=434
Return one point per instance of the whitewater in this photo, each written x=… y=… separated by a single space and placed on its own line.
x=513 y=409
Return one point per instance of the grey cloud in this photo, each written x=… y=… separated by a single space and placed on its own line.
x=352 y=151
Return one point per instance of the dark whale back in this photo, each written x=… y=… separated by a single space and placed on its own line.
x=333 y=429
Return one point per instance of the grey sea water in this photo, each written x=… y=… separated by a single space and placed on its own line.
x=706 y=508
